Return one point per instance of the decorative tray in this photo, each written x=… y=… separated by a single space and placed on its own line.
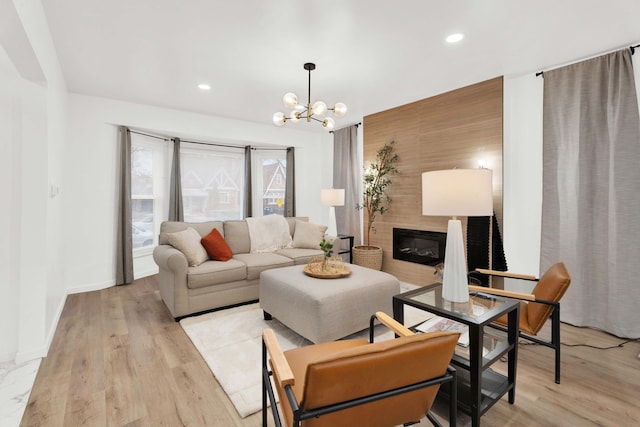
x=314 y=269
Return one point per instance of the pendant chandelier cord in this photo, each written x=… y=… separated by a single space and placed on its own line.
x=309 y=88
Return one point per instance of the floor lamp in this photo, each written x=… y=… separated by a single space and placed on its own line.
x=456 y=192
x=332 y=197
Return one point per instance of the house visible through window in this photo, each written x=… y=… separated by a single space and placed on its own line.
x=212 y=182
x=270 y=175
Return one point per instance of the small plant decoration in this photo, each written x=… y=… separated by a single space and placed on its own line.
x=327 y=248
x=376 y=179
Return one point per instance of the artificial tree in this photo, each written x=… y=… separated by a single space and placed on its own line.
x=376 y=181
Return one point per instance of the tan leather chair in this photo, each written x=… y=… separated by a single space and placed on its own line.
x=355 y=382
x=536 y=307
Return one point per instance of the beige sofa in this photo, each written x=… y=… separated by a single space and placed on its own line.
x=213 y=284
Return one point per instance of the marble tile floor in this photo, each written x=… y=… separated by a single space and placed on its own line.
x=16 y=381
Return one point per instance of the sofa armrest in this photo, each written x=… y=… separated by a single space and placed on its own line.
x=169 y=258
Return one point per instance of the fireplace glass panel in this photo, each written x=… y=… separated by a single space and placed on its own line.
x=419 y=246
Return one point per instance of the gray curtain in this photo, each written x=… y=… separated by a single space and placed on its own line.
x=591 y=202
x=346 y=174
x=248 y=187
x=176 y=210
x=124 y=244
x=290 y=190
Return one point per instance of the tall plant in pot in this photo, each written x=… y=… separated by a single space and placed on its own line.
x=375 y=201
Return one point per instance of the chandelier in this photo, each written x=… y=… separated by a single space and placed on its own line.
x=316 y=112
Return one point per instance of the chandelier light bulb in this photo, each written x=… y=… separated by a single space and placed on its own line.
x=319 y=108
x=328 y=123
x=278 y=119
x=339 y=109
x=290 y=99
x=294 y=116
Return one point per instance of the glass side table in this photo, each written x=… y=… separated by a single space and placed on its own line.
x=479 y=387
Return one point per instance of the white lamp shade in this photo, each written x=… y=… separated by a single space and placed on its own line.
x=332 y=197
x=457 y=192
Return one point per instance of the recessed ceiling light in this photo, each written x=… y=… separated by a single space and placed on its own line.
x=204 y=86
x=455 y=38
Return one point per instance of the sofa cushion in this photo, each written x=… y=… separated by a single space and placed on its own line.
x=308 y=235
x=215 y=273
x=188 y=242
x=203 y=228
x=216 y=247
x=257 y=263
x=236 y=234
x=299 y=255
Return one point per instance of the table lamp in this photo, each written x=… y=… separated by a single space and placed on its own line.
x=456 y=192
x=332 y=197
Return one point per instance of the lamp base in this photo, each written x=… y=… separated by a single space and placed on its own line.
x=332 y=228
x=455 y=285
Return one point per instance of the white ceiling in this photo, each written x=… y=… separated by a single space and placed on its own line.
x=370 y=54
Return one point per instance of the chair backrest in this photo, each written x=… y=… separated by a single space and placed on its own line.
x=378 y=367
x=551 y=287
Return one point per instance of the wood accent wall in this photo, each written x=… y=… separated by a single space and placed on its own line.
x=456 y=129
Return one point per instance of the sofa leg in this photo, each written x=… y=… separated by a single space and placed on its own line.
x=267 y=316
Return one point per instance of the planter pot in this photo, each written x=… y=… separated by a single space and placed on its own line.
x=368 y=256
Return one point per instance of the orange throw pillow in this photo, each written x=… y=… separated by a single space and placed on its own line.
x=216 y=246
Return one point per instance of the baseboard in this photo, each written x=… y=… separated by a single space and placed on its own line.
x=91 y=287
x=147 y=273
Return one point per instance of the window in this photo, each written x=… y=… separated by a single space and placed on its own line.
x=269 y=182
x=149 y=172
x=212 y=182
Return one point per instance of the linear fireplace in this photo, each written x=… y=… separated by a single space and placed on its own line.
x=419 y=246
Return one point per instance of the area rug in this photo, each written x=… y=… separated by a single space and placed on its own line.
x=230 y=343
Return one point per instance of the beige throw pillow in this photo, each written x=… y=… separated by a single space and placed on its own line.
x=307 y=235
x=188 y=242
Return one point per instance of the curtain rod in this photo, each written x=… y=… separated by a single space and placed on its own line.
x=632 y=48
x=356 y=125
x=240 y=147
x=164 y=138
x=149 y=135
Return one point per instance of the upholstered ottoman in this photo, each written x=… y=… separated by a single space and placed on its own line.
x=326 y=309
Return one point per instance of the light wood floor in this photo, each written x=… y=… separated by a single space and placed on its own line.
x=119 y=359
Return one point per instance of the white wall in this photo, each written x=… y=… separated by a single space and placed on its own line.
x=33 y=117
x=90 y=174
x=522 y=163
x=20 y=102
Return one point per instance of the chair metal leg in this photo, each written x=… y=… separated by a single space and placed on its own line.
x=555 y=338
x=264 y=386
x=433 y=420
